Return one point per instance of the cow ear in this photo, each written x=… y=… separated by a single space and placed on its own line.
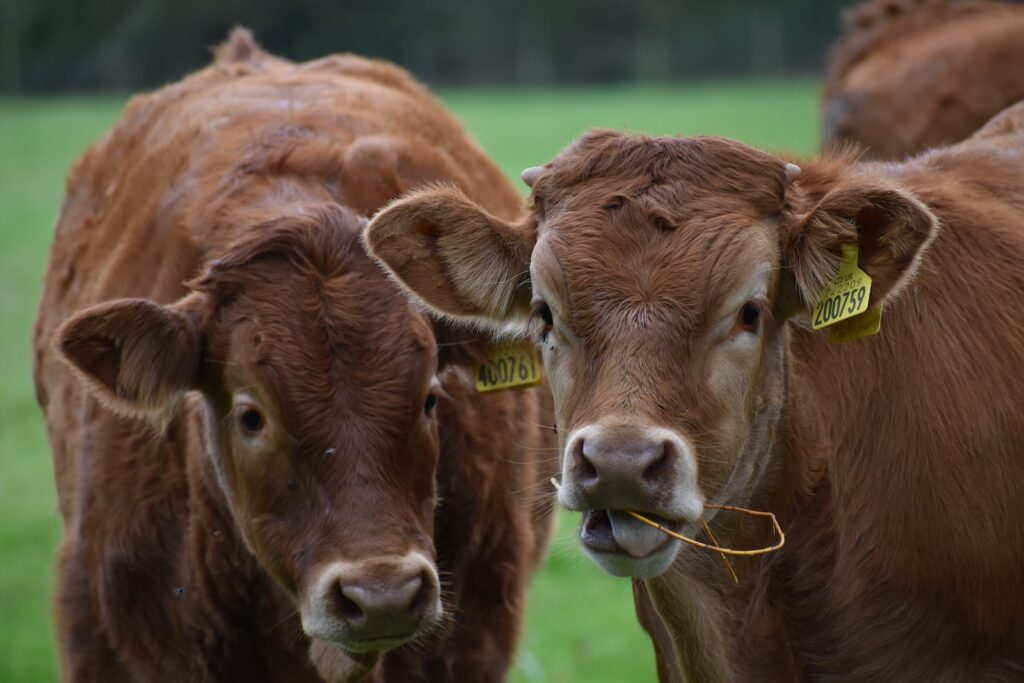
x=454 y=257
x=136 y=356
x=890 y=226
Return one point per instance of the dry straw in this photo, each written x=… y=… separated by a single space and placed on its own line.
x=716 y=548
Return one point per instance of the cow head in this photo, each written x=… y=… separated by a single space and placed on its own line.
x=907 y=77
x=660 y=277
x=319 y=382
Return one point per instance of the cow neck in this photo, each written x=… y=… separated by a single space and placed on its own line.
x=726 y=631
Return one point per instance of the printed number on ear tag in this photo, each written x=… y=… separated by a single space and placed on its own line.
x=513 y=366
x=846 y=296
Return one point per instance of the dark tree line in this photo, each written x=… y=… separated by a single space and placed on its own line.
x=50 y=45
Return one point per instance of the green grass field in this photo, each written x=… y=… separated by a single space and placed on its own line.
x=580 y=625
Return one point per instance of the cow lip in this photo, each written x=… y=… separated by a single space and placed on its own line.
x=378 y=644
x=596 y=533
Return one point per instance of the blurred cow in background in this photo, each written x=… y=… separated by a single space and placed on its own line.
x=909 y=75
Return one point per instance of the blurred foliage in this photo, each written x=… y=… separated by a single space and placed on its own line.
x=131 y=44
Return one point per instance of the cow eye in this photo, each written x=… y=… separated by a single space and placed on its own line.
x=428 y=406
x=542 y=311
x=749 y=316
x=545 y=315
x=251 y=420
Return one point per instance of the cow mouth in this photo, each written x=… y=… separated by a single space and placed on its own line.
x=376 y=645
x=616 y=532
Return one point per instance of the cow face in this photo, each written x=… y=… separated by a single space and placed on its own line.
x=880 y=105
x=320 y=423
x=659 y=277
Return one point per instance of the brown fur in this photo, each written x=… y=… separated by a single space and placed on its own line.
x=909 y=75
x=893 y=463
x=227 y=206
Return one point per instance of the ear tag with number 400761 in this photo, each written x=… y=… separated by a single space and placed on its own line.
x=843 y=303
x=509 y=366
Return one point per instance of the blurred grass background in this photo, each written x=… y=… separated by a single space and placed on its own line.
x=581 y=625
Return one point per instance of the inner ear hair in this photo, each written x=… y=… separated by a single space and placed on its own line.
x=455 y=258
x=895 y=228
x=891 y=228
x=135 y=356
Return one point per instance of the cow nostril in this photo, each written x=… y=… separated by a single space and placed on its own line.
x=586 y=470
x=422 y=596
x=347 y=608
x=658 y=468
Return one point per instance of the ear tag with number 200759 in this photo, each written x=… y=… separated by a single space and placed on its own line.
x=843 y=302
x=509 y=366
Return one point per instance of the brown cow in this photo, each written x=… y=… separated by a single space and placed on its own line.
x=668 y=281
x=322 y=484
x=909 y=75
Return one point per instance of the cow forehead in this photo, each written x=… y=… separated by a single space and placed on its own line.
x=339 y=312
x=347 y=350
x=604 y=269
x=673 y=174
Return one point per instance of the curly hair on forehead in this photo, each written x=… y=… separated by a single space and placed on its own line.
x=662 y=167
x=321 y=240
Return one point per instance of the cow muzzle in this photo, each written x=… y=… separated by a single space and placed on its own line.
x=373 y=605
x=608 y=469
x=840 y=117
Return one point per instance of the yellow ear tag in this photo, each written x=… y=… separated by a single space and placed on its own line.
x=511 y=366
x=846 y=296
x=864 y=325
